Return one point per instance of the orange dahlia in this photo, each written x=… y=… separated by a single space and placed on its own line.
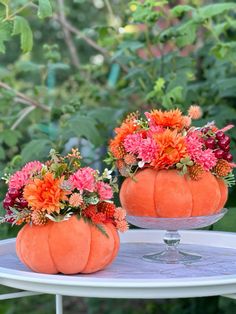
x=171 y=119
x=45 y=194
x=171 y=149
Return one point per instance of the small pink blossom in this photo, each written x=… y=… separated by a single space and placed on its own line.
x=195 y=112
x=83 y=179
x=120 y=213
x=122 y=225
x=104 y=191
x=147 y=149
x=132 y=142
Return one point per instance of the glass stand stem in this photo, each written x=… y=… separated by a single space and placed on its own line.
x=171 y=255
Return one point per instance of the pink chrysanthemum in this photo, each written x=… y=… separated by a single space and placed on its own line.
x=194 y=145
x=132 y=142
x=104 y=191
x=122 y=225
x=195 y=112
x=147 y=149
x=83 y=179
x=206 y=159
x=120 y=213
x=18 y=180
x=32 y=166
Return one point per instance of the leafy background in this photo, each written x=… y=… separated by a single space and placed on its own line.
x=71 y=70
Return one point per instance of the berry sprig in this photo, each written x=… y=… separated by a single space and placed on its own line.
x=220 y=143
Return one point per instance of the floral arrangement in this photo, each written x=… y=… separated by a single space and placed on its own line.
x=60 y=188
x=166 y=140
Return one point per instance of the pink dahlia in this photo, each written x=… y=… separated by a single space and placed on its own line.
x=104 y=191
x=147 y=149
x=132 y=142
x=83 y=179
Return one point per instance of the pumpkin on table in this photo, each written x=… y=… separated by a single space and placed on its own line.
x=67 y=247
x=166 y=193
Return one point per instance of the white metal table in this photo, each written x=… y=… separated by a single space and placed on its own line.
x=131 y=277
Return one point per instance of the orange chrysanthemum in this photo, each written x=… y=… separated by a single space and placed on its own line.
x=45 y=194
x=171 y=149
x=169 y=119
x=116 y=145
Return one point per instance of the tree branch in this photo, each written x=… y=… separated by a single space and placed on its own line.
x=24 y=98
x=77 y=32
x=89 y=41
x=67 y=35
x=24 y=114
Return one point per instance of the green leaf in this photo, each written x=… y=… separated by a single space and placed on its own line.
x=180 y=9
x=5 y=34
x=211 y=10
x=187 y=33
x=173 y=97
x=10 y=137
x=81 y=125
x=36 y=150
x=45 y=9
x=21 y=27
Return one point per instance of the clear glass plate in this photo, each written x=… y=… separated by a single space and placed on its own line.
x=172 y=254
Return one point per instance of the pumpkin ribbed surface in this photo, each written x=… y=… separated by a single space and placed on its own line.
x=166 y=193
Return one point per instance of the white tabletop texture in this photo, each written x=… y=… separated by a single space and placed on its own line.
x=131 y=277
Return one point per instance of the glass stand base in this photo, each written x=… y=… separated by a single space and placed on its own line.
x=171 y=239
x=172 y=257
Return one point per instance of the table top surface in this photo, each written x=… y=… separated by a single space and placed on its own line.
x=131 y=277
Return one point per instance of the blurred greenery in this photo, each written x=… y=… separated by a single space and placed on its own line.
x=70 y=71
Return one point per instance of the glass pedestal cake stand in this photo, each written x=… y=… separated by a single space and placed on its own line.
x=171 y=254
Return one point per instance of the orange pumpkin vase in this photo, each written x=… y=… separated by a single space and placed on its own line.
x=167 y=194
x=67 y=247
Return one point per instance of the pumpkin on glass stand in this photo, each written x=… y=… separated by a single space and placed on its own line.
x=176 y=175
x=70 y=221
